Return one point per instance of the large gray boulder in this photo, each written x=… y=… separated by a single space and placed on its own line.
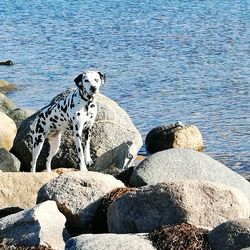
x=185 y=164
x=115 y=139
x=110 y=242
x=42 y=225
x=8 y=162
x=203 y=204
x=231 y=235
x=115 y=142
x=78 y=195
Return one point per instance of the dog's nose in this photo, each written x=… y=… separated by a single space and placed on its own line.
x=93 y=89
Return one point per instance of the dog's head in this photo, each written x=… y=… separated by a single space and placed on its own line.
x=91 y=81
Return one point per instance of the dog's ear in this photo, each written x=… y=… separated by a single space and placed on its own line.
x=102 y=76
x=78 y=81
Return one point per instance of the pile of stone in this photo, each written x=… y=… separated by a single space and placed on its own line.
x=91 y=210
x=176 y=198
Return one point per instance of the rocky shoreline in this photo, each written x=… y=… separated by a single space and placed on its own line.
x=175 y=198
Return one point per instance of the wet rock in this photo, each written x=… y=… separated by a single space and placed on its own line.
x=8 y=162
x=7 y=131
x=174 y=136
x=7 y=63
x=185 y=164
x=110 y=242
x=114 y=142
x=5 y=86
x=42 y=225
x=6 y=105
x=203 y=204
x=78 y=195
x=20 y=189
x=231 y=235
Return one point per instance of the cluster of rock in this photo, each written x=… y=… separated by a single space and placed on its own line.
x=176 y=198
x=91 y=210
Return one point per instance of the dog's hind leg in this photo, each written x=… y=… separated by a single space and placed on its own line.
x=37 y=147
x=54 y=139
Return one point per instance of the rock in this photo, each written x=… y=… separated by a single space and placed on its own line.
x=78 y=195
x=183 y=236
x=7 y=63
x=110 y=242
x=231 y=235
x=115 y=139
x=42 y=225
x=174 y=136
x=99 y=221
x=203 y=204
x=5 y=86
x=178 y=164
x=125 y=175
x=20 y=189
x=8 y=211
x=245 y=174
x=18 y=115
x=60 y=171
x=6 y=105
x=114 y=142
x=7 y=131
x=8 y=162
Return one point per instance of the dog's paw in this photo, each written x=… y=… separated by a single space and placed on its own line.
x=89 y=162
x=83 y=167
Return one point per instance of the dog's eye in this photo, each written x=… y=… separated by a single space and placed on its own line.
x=86 y=80
x=96 y=80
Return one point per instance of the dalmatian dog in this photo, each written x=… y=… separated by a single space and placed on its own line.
x=74 y=109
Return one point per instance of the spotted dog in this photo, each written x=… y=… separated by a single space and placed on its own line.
x=75 y=110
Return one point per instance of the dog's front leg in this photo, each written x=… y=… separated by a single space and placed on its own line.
x=87 y=155
x=38 y=141
x=77 y=133
x=79 y=149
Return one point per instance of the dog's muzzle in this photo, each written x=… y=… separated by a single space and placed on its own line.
x=93 y=89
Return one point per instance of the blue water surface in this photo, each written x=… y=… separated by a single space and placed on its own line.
x=166 y=61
